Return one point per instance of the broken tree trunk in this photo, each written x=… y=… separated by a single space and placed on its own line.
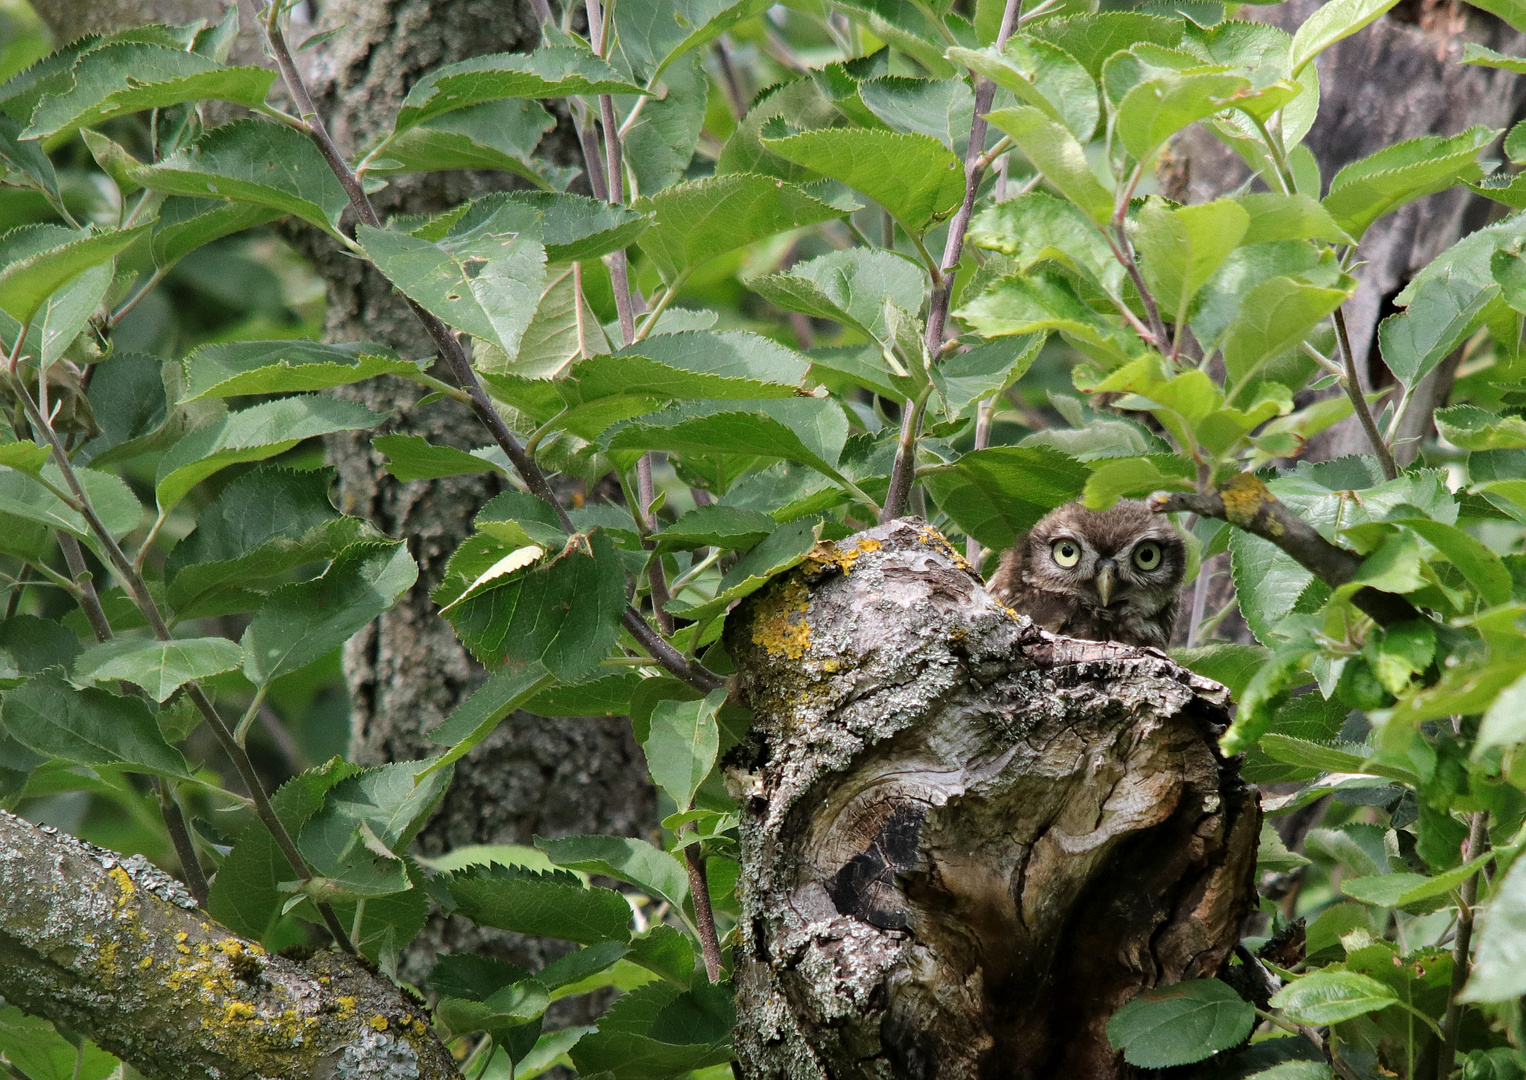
x=965 y=841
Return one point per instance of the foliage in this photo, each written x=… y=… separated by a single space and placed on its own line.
x=753 y=336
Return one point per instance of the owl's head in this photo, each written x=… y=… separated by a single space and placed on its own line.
x=1123 y=560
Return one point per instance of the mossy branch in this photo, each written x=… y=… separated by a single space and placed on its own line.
x=116 y=949
x=1245 y=502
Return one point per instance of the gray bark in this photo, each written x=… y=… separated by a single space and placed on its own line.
x=1392 y=81
x=966 y=842
x=116 y=949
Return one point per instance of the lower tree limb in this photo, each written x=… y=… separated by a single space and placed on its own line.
x=117 y=950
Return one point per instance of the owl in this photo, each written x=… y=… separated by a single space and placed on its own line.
x=1109 y=576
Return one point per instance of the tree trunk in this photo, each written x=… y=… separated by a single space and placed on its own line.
x=966 y=842
x=1397 y=79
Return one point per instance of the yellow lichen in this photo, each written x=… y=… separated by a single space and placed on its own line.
x=124 y=883
x=419 y=1029
x=779 y=626
x=379 y=1022
x=346 y=1005
x=238 y=1010
x=1244 y=497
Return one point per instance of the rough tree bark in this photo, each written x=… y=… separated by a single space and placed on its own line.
x=966 y=841
x=116 y=949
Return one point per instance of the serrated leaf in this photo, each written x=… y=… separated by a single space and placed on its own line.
x=939 y=108
x=1112 y=480
x=1443 y=310
x=255 y=162
x=681 y=745
x=498 y=135
x=574 y=227
x=850 y=287
x=488 y=286
x=1042 y=75
x=124 y=78
x=118 y=508
x=1177 y=1025
x=1499 y=965
x=1039 y=227
x=1041 y=301
x=301 y=622
x=1093 y=38
x=1059 y=157
x=412 y=457
x=1480 y=566
x=25 y=456
x=1275 y=316
x=655 y=33
x=185 y=224
x=503 y=692
x=1155 y=110
x=786 y=546
x=624 y=858
x=998 y=493
x=1332 y=22
x=88 y=727
x=1367 y=189
x=32 y=271
x=1328 y=997
x=234 y=369
x=914 y=177
x=1275 y=216
x=159 y=667
x=699 y=219
x=253 y=434
x=660 y=143
x=1180 y=249
x=553 y=71
x=37 y=1050
x=811 y=431
x=546 y=905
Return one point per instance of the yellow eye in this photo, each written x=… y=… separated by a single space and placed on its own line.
x=1147 y=555
x=1066 y=553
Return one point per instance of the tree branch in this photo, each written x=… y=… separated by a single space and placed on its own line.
x=115 y=949
x=1244 y=501
x=1353 y=387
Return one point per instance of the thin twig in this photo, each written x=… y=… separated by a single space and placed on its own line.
x=1353 y=387
x=1478 y=842
x=704 y=915
x=943 y=274
x=973 y=551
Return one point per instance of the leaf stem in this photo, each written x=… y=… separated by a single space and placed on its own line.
x=902 y=475
x=454 y=354
x=1478 y=842
x=1353 y=387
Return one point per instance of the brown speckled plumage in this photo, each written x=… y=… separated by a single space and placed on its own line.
x=1142 y=602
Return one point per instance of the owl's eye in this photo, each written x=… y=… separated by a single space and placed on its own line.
x=1066 y=552
x=1147 y=555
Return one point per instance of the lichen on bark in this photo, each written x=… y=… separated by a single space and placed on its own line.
x=965 y=841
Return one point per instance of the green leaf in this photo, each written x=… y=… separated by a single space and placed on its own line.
x=1274 y=216
x=1177 y=1025
x=262 y=525
x=786 y=546
x=573 y=227
x=1276 y=315
x=1180 y=249
x=851 y=287
x=488 y=284
x=1477 y=54
x=1482 y=568
x=655 y=33
x=1401 y=890
x=88 y=727
x=563 y=611
x=255 y=162
x=117 y=507
x=1039 y=227
x=159 y=667
x=1471 y=428
x=302 y=621
x=553 y=904
x=1040 y=301
x=254 y=434
x=811 y=431
x=682 y=744
x=1042 y=75
x=998 y=493
x=715 y=526
x=1508 y=10
x=626 y=859
x=939 y=108
x=914 y=177
x=35 y=1048
x=1442 y=312
x=500 y=135
x=1328 y=997
x=1505 y=722
x=185 y=224
x=699 y=219
x=1122 y=478
x=411 y=457
x=38 y=263
x=394 y=801
x=1093 y=39
x=1155 y=110
x=237 y=368
x=1365 y=190
x=660 y=143
x=125 y=78
x=1336 y=20
x=514 y=1005
x=25 y=456
x=553 y=71
x=504 y=691
x=1059 y=157
x=1499 y=963
x=987 y=369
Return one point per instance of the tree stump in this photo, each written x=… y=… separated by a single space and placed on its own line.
x=966 y=842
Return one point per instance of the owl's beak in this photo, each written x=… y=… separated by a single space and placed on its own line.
x=1106 y=581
